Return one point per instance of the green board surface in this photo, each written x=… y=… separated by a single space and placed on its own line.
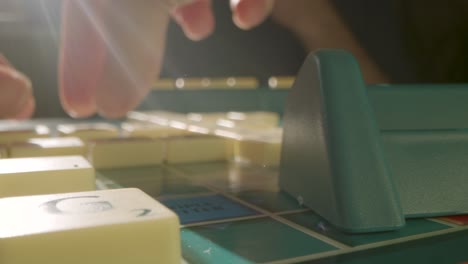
x=280 y=231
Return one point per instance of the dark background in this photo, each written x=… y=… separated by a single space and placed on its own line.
x=29 y=37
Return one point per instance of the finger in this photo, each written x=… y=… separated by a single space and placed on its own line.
x=134 y=51
x=15 y=90
x=196 y=19
x=118 y=46
x=27 y=111
x=4 y=61
x=250 y=13
x=81 y=57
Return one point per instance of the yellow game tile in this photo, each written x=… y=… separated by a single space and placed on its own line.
x=169 y=119
x=193 y=83
x=204 y=128
x=126 y=152
x=87 y=131
x=244 y=124
x=203 y=123
x=181 y=123
x=40 y=147
x=261 y=148
x=242 y=83
x=22 y=133
x=107 y=227
x=162 y=118
x=217 y=83
x=253 y=120
x=206 y=117
x=258 y=152
x=138 y=116
x=3 y=152
x=45 y=175
x=164 y=84
x=151 y=130
x=261 y=116
x=196 y=148
x=230 y=149
x=281 y=82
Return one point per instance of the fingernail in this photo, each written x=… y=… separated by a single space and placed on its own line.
x=248 y=14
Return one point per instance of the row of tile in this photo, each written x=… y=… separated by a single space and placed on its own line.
x=274 y=82
x=253 y=137
x=125 y=152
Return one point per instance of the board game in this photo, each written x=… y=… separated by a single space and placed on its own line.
x=233 y=210
x=235 y=213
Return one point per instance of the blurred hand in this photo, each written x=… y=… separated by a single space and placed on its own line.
x=16 y=99
x=112 y=49
x=318 y=25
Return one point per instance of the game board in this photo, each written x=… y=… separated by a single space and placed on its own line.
x=232 y=213
x=235 y=212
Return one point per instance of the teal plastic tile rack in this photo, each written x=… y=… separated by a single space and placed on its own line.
x=366 y=158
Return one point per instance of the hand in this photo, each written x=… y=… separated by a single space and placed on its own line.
x=318 y=25
x=16 y=99
x=112 y=49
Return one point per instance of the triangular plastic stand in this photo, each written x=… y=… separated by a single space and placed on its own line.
x=360 y=178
